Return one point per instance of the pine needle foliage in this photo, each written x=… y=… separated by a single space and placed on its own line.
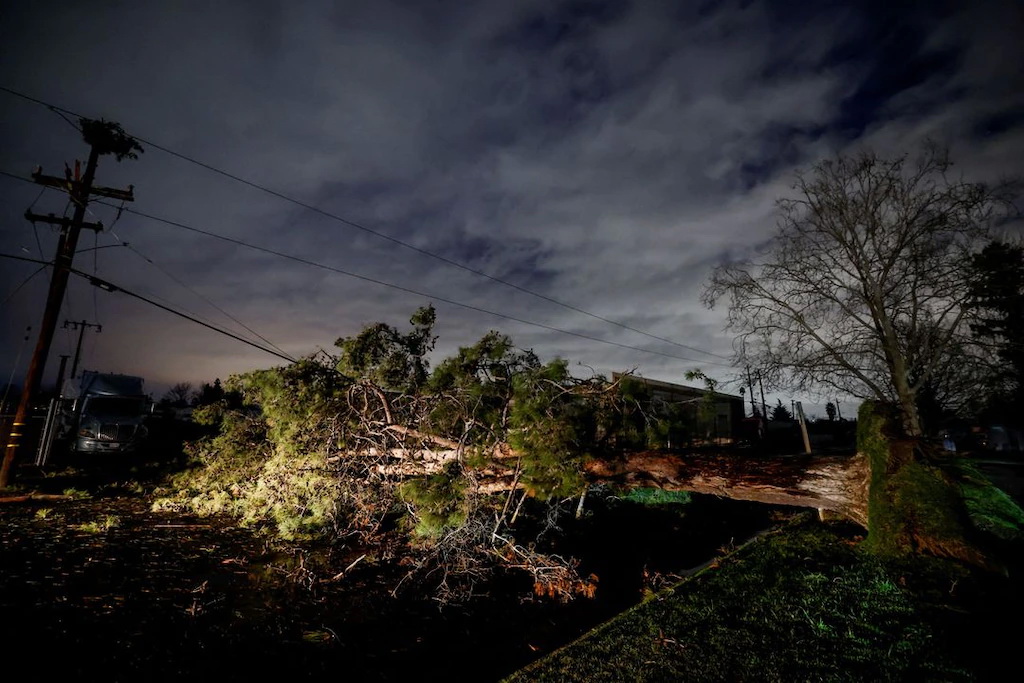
x=337 y=444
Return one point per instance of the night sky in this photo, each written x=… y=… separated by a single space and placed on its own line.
x=604 y=154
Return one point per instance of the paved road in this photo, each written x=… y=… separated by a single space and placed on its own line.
x=1007 y=474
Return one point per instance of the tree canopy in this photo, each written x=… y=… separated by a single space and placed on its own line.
x=998 y=299
x=865 y=287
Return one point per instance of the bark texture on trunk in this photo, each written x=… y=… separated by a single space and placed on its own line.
x=838 y=484
x=834 y=483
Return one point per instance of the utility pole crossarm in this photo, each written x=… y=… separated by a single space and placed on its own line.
x=63 y=221
x=112 y=192
x=78 y=187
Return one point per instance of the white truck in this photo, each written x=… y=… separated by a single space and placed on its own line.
x=104 y=412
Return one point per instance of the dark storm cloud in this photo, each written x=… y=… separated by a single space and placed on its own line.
x=607 y=154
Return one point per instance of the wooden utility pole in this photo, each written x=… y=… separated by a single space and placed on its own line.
x=103 y=137
x=798 y=408
x=764 y=406
x=80 y=326
x=753 y=401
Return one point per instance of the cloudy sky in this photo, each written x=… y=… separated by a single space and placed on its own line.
x=604 y=154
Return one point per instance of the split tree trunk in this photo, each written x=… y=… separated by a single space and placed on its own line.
x=838 y=484
x=835 y=483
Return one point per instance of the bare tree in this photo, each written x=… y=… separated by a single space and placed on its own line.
x=865 y=286
x=179 y=394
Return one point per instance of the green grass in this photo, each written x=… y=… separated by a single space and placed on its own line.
x=989 y=508
x=100 y=526
x=651 y=496
x=799 y=605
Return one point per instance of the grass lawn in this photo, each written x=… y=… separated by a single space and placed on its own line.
x=805 y=604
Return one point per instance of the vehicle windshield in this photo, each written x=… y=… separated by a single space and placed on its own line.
x=121 y=406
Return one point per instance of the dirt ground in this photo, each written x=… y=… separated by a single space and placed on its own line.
x=104 y=587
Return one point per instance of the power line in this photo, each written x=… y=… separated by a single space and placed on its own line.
x=197 y=293
x=391 y=285
x=167 y=305
x=111 y=287
x=407 y=290
x=383 y=283
x=43 y=265
x=23 y=283
x=333 y=216
x=95 y=271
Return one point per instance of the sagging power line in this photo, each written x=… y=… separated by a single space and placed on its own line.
x=407 y=290
x=194 y=291
x=108 y=286
x=391 y=285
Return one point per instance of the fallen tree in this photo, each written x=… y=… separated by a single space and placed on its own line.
x=337 y=445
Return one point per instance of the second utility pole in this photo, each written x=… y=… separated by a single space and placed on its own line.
x=103 y=137
x=80 y=326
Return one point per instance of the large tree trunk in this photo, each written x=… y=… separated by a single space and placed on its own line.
x=916 y=504
x=834 y=483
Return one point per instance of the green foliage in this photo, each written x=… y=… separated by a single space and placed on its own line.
x=553 y=428
x=266 y=464
x=385 y=356
x=480 y=380
x=223 y=467
x=297 y=402
x=438 y=502
x=315 y=448
x=298 y=495
x=100 y=526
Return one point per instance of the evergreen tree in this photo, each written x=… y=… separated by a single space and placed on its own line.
x=781 y=414
x=998 y=293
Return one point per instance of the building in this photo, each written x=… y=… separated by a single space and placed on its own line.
x=690 y=415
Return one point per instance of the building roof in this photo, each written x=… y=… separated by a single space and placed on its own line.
x=681 y=389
